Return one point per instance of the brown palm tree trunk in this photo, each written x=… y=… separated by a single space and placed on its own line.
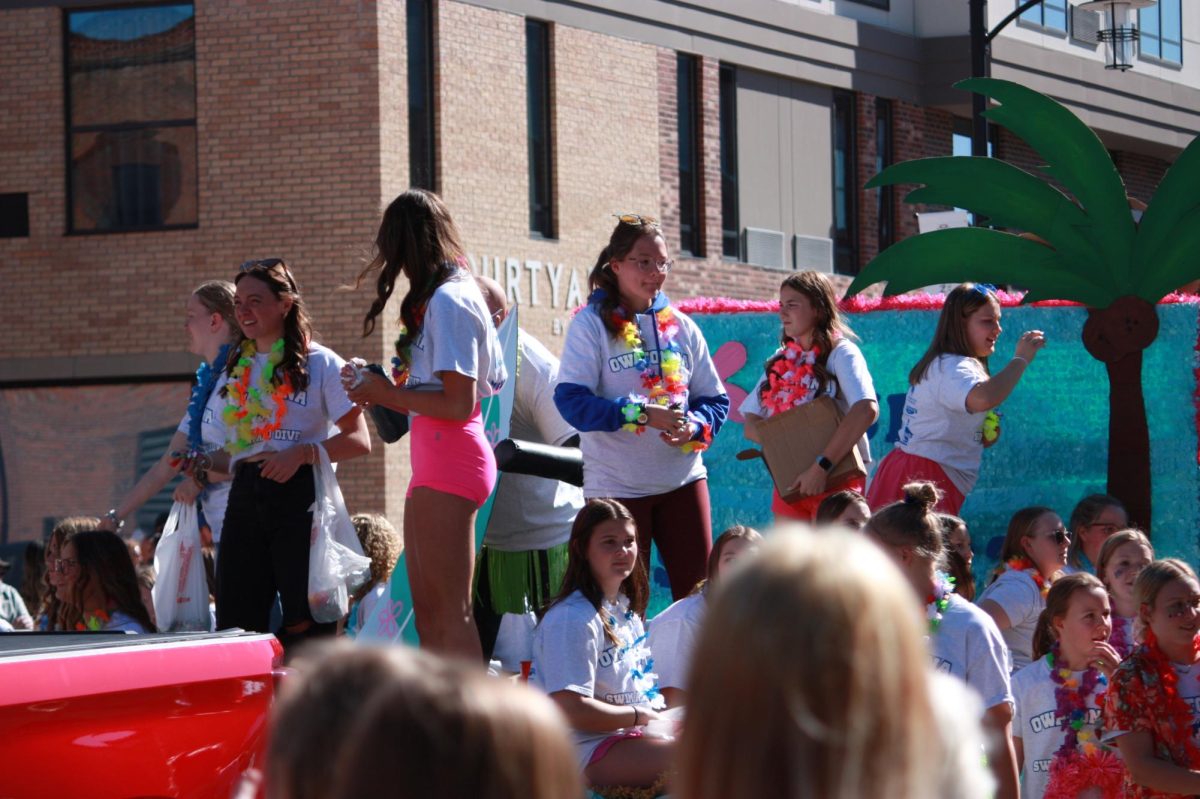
x=1129 y=439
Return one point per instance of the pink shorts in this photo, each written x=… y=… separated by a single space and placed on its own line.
x=602 y=749
x=899 y=467
x=452 y=457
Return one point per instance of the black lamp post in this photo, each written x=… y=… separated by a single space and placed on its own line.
x=1120 y=38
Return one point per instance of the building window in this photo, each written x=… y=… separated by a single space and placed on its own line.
x=131 y=119
x=1161 y=29
x=1051 y=14
x=884 y=4
x=730 y=227
x=687 y=110
x=886 y=208
x=538 y=119
x=845 y=207
x=422 y=141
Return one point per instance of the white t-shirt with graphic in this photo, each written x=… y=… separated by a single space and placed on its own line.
x=851 y=383
x=312 y=412
x=968 y=645
x=214 y=498
x=1036 y=723
x=457 y=335
x=572 y=653
x=1020 y=598
x=936 y=423
x=673 y=635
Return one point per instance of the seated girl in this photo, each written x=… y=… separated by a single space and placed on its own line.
x=590 y=653
x=98 y=582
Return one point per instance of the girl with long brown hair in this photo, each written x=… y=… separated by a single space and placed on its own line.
x=817 y=357
x=211 y=331
x=283 y=403
x=590 y=653
x=100 y=585
x=637 y=381
x=447 y=359
x=1058 y=730
x=951 y=392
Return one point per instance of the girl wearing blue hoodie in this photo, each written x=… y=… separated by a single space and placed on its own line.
x=638 y=383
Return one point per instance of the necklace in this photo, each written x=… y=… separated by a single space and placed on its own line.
x=1022 y=564
x=246 y=412
x=936 y=603
x=206 y=377
x=1120 y=639
x=791 y=378
x=1081 y=762
x=93 y=621
x=665 y=386
x=1173 y=707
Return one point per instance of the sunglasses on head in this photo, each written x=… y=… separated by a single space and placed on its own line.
x=268 y=265
x=636 y=219
x=984 y=289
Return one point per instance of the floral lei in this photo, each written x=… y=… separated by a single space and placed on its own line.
x=791 y=378
x=206 y=378
x=246 y=414
x=937 y=602
x=1119 y=639
x=1023 y=564
x=645 y=681
x=665 y=385
x=1181 y=720
x=93 y=621
x=1081 y=762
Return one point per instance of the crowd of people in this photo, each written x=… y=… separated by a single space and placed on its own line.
x=853 y=659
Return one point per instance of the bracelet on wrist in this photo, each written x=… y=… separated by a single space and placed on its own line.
x=1021 y=358
x=112 y=516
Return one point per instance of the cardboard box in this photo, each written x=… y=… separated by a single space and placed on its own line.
x=792 y=440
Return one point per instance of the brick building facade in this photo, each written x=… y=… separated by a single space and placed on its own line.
x=302 y=131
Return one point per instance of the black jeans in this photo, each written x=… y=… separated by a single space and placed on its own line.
x=264 y=551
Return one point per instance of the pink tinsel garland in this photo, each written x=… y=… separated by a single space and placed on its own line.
x=901 y=302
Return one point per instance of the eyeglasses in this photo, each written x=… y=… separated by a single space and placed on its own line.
x=1059 y=536
x=637 y=219
x=649 y=265
x=63 y=565
x=1108 y=529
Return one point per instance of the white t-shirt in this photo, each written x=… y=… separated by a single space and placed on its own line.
x=123 y=622
x=1036 y=723
x=532 y=512
x=968 y=645
x=851 y=383
x=214 y=498
x=572 y=653
x=312 y=412
x=1022 y=602
x=673 y=635
x=936 y=423
x=457 y=335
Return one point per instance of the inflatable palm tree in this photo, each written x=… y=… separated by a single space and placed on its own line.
x=1085 y=247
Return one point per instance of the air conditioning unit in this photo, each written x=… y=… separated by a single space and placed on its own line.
x=1085 y=26
x=813 y=252
x=764 y=247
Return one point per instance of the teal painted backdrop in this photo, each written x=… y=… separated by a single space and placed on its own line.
x=1053 y=447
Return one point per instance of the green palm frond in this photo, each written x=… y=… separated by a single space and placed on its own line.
x=1007 y=195
x=1162 y=247
x=1075 y=157
x=949 y=256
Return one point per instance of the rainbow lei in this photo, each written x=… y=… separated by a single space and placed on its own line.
x=1081 y=761
x=665 y=386
x=401 y=361
x=939 y=600
x=991 y=426
x=93 y=621
x=246 y=413
x=791 y=378
x=1026 y=565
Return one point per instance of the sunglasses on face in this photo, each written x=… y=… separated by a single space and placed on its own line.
x=636 y=219
x=1059 y=536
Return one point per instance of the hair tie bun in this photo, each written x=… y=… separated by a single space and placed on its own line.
x=924 y=495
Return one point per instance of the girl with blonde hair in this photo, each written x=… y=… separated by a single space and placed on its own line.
x=812 y=679
x=1118 y=565
x=1150 y=707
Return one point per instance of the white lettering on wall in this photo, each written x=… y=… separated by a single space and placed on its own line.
x=574 y=293
x=512 y=280
x=554 y=273
x=508 y=272
x=535 y=269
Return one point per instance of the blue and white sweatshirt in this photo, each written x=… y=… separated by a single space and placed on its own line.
x=596 y=377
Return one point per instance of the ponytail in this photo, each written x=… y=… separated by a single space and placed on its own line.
x=1058 y=601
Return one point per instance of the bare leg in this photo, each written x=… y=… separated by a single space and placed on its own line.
x=439 y=542
x=635 y=762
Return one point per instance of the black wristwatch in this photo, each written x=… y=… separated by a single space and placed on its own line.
x=825 y=463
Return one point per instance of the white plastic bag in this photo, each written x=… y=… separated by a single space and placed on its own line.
x=180 y=586
x=336 y=564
